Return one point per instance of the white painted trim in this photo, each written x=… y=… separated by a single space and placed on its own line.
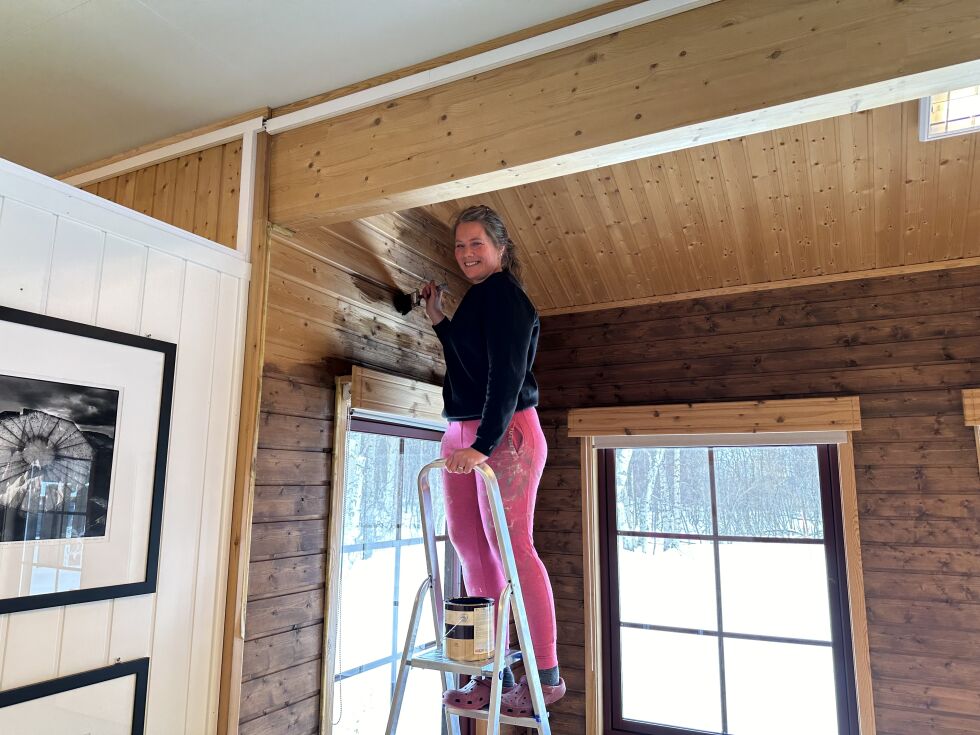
x=418 y=423
x=544 y=43
x=767 y=439
x=37 y=190
x=925 y=107
x=246 y=194
x=167 y=152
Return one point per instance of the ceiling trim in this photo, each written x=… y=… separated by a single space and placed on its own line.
x=618 y=20
x=897 y=270
x=166 y=152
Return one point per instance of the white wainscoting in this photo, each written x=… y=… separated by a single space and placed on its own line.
x=70 y=254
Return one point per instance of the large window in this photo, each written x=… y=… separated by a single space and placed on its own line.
x=382 y=564
x=725 y=598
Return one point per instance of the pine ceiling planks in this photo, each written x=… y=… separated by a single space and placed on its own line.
x=845 y=195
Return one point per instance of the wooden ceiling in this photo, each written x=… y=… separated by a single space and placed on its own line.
x=840 y=198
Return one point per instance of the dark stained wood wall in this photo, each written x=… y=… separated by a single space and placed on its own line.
x=329 y=308
x=907 y=346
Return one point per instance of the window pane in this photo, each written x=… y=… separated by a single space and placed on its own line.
x=667 y=582
x=361 y=703
x=771 y=492
x=772 y=684
x=413 y=573
x=417 y=454
x=775 y=589
x=663 y=489
x=671 y=679
x=367 y=587
x=422 y=706
x=371 y=492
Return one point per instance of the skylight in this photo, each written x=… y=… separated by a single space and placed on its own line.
x=950 y=113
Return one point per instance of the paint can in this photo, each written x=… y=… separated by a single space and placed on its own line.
x=469 y=628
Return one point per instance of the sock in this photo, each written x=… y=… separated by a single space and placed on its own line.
x=549 y=677
x=508 y=677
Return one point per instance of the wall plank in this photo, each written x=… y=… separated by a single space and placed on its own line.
x=916 y=474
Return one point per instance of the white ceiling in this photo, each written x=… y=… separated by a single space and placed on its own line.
x=84 y=79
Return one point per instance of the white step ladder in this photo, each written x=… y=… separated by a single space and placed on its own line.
x=511 y=599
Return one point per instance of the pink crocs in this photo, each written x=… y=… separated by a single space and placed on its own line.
x=516 y=702
x=474 y=695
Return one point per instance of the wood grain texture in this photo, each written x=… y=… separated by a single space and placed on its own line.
x=604 y=101
x=806 y=414
x=197 y=192
x=329 y=310
x=690 y=223
x=914 y=482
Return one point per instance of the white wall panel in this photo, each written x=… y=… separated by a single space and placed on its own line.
x=76 y=265
x=73 y=255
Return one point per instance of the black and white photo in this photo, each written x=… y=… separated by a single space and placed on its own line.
x=56 y=450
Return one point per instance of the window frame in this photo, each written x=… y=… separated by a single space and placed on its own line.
x=366 y=399
x=824 y=420
x=832 y=543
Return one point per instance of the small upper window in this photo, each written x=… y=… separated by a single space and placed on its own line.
x=950 y=113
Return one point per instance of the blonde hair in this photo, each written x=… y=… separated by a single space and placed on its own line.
x=496 y=230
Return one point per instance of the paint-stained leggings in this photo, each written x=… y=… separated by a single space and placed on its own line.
x=518 y=463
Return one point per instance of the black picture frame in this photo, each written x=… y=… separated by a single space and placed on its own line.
x=140 y=667
x=169 y=352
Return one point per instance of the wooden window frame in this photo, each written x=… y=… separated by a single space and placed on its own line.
x=779 y=420
x=381 y=400
x=971 y=414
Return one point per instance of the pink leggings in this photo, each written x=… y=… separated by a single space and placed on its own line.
x=518 y=463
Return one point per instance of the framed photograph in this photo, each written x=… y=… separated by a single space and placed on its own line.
x=84 y=427
x=107 y=701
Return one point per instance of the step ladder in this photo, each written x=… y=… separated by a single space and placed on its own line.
x=511 y=600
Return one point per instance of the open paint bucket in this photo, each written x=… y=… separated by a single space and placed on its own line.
x=469 y=628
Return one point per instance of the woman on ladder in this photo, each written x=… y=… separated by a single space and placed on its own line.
x=490 y=397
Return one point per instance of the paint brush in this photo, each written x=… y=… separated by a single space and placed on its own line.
x=405 y=302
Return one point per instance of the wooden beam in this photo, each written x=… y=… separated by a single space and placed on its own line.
x=237 y=583
x=716 y=72
x=732 y=417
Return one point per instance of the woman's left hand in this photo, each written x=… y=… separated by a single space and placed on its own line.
x=462 y=461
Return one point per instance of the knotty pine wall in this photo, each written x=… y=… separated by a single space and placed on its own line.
x=197 y=192
x=329 y=308
x=907 y=346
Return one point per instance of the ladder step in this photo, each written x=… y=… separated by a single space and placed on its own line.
x=482 y=714
x=436 y=659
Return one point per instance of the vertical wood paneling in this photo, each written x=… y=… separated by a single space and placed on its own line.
x=87 y=273
x=205 y=638
x=121 y=287
x=197 y=192
x=185 y=488
x=76 y=267
x=19 y=224
x=84 y=643
x=846 y=195
x=33 y=647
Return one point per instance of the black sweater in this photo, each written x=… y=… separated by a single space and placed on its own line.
x=489 y=347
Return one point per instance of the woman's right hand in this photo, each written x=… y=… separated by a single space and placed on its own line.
x=432 y=296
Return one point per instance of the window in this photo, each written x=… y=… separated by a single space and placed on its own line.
x=949 y=113
x=381 y=565
x=725 y=597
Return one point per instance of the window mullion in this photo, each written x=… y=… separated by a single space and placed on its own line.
x=721 y=627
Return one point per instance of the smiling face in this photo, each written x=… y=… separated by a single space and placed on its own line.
x=478 y=256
